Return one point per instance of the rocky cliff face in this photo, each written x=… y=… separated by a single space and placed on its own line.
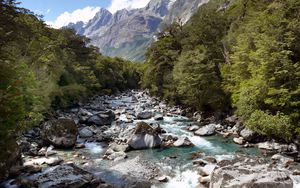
x=128 y=33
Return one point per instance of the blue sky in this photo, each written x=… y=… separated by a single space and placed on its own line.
x=51 y=9
x=58 y=13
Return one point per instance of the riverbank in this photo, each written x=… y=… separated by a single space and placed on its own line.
x=134 y=140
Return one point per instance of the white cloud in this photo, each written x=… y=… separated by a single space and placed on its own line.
x=84 y=15
x=128 y=4
x=48 y=11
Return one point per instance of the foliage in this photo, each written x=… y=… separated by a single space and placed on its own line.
x=43 y=68
x=246 y=49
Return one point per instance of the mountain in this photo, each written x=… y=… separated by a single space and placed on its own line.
x=128 y=33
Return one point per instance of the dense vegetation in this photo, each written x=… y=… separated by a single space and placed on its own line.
x=243 y=52
x=43 y=69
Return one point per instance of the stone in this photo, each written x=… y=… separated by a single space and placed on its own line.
x=67 y=175
x=123 y=118
x=269 y=145
x=138 y=168
x=282 y=159
x=144 y=136
x=200 y=162
x=204 y=179
x=116 y=156
x=80 y=146
x=144 y=115
x=162 y=179
x=182 y=142
x=210 y=159
x=158 y=117
x=248 y=134
x=43 y=160
x=207 y=170
x=250 y=175
x=86 y=132
x=207 y=130
x=118 y=147
x=84 y=112
x=194 y=128
x=60 y=133
x=239 y=140
x=102 y=118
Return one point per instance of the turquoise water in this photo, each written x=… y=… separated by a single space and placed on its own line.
x=176 y=162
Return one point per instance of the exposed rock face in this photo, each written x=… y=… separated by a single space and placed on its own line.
x=102 y=118
x=128 y=33
x=67 y=175
x=207 y=130
x=183 y=10
x=250 y=175
x=144 y=137
x=60 y=133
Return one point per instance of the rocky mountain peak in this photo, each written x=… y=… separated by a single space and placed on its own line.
x=158 y=7
x=128 y=33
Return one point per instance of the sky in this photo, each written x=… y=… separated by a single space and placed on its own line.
x=58 y=13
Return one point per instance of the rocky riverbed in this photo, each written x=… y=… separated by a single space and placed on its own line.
x=134 y=140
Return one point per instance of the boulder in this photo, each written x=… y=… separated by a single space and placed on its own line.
x=269 y=145
x=102 y=118
x=239 y=140
x=43 y=160
x=144 y=136
x=207 y=170
x=194 y=128
x=183 y=141
x=247 y=134
x=246 y=175
x=86 y=132
x=84 y=112
x=118 y=147
x=162 y=178
x=158 y=117
x=60 y=133
x=282 y=159
x=67 y=175
x=207 y=130
x=144 y=115
x=137 y=168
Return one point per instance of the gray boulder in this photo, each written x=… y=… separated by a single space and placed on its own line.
x=183 y=141
x=194 y=128
x=207 y=130
x=158 y=117
x=144 y=136
x=59 y=133
x=86 y=132
x=144 y=115
x=67 y=175
x=247 y=134
x=250 y=175
x=102 y=118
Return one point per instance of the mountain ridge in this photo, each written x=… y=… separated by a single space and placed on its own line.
x=128 y=33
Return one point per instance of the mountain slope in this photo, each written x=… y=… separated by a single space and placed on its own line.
x=128 y=33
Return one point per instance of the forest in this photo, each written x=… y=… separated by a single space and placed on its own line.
x=43 y=69
x=237 y=56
